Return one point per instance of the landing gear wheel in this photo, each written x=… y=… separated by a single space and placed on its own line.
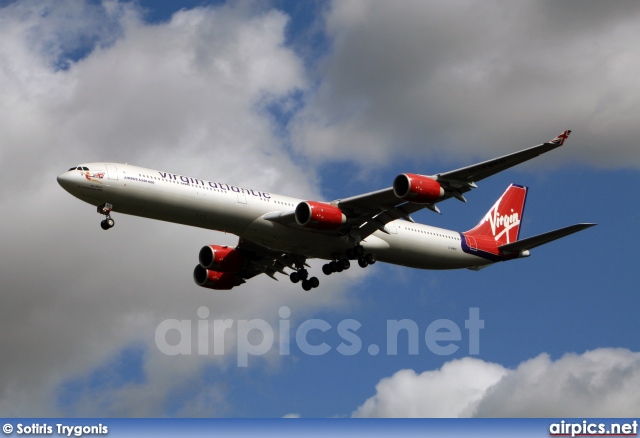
x=306 y=285
x=345 y=263
x=303 y=274
x=314 y=282
x=110 y=222
x=371 y=259
x=359 y=250
x=362 y=262
x=294 y=277
x=104 y=225
x=327 y=269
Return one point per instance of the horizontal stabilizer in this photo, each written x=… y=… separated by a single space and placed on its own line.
x=541 y=239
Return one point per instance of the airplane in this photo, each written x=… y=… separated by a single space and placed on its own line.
x=280 y=232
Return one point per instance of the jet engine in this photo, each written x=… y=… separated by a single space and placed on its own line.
x=215 y=280
x=221 y=259
x=319 y=215
x=419 y=189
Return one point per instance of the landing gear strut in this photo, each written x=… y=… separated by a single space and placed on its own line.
x=108 y=222
x=356 y=252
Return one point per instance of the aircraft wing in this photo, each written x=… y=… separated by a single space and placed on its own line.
x=263 y=260
x=464 y=177
x=371 y=211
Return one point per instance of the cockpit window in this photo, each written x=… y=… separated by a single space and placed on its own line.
x=85 y=168
x=73 y=168
x=79 y=168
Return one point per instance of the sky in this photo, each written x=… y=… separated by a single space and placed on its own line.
x=318 y=100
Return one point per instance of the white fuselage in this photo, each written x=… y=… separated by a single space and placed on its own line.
x=218 y=206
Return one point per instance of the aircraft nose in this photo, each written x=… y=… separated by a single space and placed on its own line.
x=65 y=180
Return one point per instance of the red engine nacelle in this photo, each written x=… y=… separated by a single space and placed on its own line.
x=221 y=259
x=214 y=279
x=417 y=188
x=319 y=215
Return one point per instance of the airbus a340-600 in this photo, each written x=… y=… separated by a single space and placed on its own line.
x=278 y=233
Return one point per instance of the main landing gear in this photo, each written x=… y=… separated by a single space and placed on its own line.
x=336 y=266
x=358 y=253
x=302 y=275
x=366 y=260
x=108 y=222
x=339 y=264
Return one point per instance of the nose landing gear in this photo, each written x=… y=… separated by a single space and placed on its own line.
x=108 y=222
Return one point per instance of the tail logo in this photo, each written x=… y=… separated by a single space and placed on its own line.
x=501 y=224
x=497 y=220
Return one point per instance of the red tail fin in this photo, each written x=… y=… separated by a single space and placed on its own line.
x=502 y=221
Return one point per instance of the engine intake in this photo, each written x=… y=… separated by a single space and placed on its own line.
x=319 y=215
x=221 y=259
x=419 y=189
x=214 y=279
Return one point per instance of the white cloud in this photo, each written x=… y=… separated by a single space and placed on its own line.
x=452 y=391
x=599 y=383
x=475 y=79
x=187 y=96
